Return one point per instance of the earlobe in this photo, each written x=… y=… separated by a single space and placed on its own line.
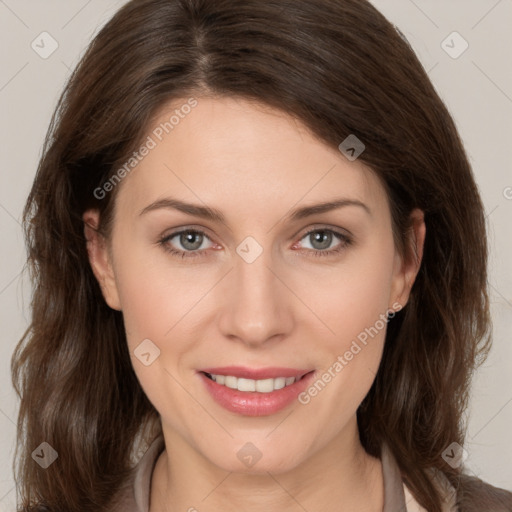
x=99 y=259
x=407 y=268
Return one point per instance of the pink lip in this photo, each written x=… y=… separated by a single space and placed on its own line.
x=256 y=374
x=253 y=403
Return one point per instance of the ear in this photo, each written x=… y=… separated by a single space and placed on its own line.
x=406 y=269
x=100 y=259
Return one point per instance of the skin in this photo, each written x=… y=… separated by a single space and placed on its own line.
x=287 y=308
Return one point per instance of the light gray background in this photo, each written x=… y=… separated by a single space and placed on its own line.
x=476 y=86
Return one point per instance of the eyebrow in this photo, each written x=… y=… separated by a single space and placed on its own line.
x=213 y=214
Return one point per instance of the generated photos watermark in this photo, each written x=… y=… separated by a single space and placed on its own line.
x=149 y=144
x=343 y=360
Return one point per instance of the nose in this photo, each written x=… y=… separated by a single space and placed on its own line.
x=255 y=307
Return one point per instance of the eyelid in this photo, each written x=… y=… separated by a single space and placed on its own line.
x=326 y=227
x=170 y=233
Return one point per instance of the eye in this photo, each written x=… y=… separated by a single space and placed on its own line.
x=322 y=239
x=191 y=240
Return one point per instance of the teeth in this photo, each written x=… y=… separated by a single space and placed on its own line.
x=261 y=386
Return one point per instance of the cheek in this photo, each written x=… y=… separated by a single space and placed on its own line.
x=356 y=295
x=353 y=306
x=145 y=301
x=160 y=303
x=154 y=306
x=155 y=296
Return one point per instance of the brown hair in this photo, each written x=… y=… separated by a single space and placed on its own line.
x=340 y=68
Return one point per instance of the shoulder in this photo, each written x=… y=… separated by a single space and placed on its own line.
x=474 y=495
x=471 y=494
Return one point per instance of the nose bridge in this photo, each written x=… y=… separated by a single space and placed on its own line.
x=254 y=281
x=255 y=308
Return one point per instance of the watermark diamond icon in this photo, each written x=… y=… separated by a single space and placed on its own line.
x=249 y=249
x=352 y=147
x=45 y=455
x=249 y=454
x=455 y=455
x=454 y=45
x=44 y=45
x=146 y=352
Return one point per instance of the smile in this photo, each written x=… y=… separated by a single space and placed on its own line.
x=252 y=392
x=260 y=386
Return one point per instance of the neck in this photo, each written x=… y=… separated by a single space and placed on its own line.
x=340 y=476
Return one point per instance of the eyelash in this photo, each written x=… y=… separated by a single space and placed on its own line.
x=344 y=239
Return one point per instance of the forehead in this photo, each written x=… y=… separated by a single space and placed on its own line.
x=237 y=154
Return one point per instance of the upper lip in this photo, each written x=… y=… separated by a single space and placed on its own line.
x=256 y=373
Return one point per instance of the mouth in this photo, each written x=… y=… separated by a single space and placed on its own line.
x=252 y=392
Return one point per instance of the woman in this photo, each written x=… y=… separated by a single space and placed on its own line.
x=259 y=250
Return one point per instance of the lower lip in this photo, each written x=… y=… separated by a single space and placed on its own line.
x=252 y=403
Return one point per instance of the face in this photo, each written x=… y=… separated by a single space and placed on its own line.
x=254 y=285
